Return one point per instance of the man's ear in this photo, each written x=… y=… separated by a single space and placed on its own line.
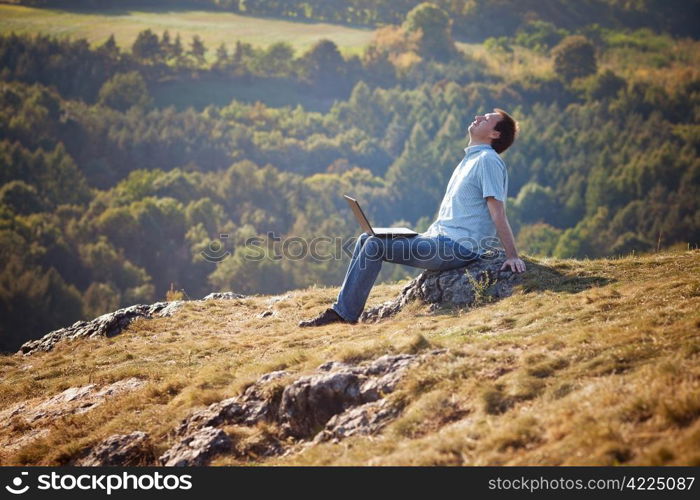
x=495 y=134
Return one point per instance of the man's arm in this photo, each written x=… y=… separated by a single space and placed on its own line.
x=505 y=233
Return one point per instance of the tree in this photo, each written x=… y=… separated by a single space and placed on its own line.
x=574 y=57
x=251 y=269
x=110 y=47
x=177 y=49
x=146 y=46
x=125 y=90
x=630 y=242
x=539 y=35
x=277 y=60
x=323 y=65
x=33 y=301
x=413 y=178
x=434 y=25
x=242 y=52
x=538 y=239
x=536 y=203
x=221 y=56
x=378 y=68
x=606 y=85
x=100 y=298
x=21 y=198
x=166 y=46
x=197 y=49
x=392 y=49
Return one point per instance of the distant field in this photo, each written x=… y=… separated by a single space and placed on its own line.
x=213 y=27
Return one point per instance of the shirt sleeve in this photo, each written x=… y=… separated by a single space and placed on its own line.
x=493 y=179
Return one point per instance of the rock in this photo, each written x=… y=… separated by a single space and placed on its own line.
x=253 y=406
x=121 y=450
x=171 y=308
x=36 y=415
x=278 y=298
x=197 y=448
x=366 y=419
x=310 y=402
x=340 y=399
x=74 y=400
x=224 y=295
x=127 y=384
x=107 y=325
x=463 y=286
x=307 y=403
x=111 y=324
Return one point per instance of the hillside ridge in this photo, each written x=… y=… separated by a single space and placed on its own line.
x=573 y=368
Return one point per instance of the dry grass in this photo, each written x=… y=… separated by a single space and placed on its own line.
x=590 y=362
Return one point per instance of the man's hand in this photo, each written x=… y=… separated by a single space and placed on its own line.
x=516 y=265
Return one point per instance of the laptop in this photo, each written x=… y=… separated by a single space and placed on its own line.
x=376 y=231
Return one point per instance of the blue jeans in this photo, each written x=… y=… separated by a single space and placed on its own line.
x=437 y=253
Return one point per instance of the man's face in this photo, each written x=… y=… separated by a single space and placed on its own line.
x=482 y=128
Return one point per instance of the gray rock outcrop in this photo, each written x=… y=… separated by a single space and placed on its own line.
x=35 y=415
x=74 y=400
x=223 y=295
x=257 y=403
x=481 y=280
x=197 y=448
x=364 y=420
x=336 y=401
x=120 y=450
x=111 y=324
x=107 y=325
x=310 y=402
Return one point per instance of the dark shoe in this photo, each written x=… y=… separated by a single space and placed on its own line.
x=325 y=318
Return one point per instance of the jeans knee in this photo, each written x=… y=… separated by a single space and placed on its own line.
x=373 y=247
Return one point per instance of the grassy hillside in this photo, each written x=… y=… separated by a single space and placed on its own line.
x=213 y=28
x=589 y=362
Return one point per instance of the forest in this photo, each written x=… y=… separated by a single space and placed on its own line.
x=111 y=197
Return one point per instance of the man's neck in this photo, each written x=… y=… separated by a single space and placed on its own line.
x=477 y=142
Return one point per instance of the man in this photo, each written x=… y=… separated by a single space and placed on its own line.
x=471 y=213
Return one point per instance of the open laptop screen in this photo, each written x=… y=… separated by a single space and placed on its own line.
x=359 y=214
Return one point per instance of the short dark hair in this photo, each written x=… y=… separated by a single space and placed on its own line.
x=508 y=128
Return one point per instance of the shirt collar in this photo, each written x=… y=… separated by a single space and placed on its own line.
x=478 y=147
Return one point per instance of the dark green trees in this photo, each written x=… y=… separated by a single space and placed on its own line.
x=574 y=57
x=146 y=46
x=434 y=26
x=125 y=90
x=324 y=66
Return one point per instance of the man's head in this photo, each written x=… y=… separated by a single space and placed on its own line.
x=498 y=129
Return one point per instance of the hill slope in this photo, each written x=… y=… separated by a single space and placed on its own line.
x=589 y=362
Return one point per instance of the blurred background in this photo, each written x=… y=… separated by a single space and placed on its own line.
x=134 y=134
